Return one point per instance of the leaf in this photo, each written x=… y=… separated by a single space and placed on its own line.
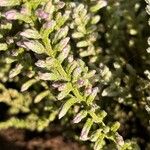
x=35 y=46
x=3 y=47
x=30 y=33
x=81 y=115
x=47 y=28
x=62 y=19
x=62 y=33
x=6 y=3
x=66 y=106
x=76 y=74
x=27 y=84
x=40 y=96
x=35 y=3
x=71 y=67
x=15 y=71
x=82 y=44
x=49 y=76
x=115 y=126
x=51 y=62
x=90 y=74
x=86 y=128
x=98 y=6
x=92 y=96
x=77 y=35
x=62 y=44
x=95 y=19
x=99 y=143
x=65 y=92
x=64 y=54
x=94 y=137
x=15 y=15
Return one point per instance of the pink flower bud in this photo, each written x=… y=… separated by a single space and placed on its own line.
x=56 y=85
x=24 y=10
x=88 y=90
x=94 y=91
x=11 y=15
x=61 y=87
x=41 y=14
x=80 y=82
x=49 y=24
x=21 y=44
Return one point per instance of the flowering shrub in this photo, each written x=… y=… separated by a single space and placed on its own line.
x=83 y=62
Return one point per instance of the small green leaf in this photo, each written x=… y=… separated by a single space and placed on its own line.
x=81 y=115
x=30 y=33
x=82 y=44
x=71 y=67
x=62 y=33
x=35 y=46
x=98 y=6
x=76 y=74
x=61 y=19
x=62 y=44
x=35 y=3
x=115 y=126
x=86 y=128
x=15 y=71
x=3 y=47
x=66 y=106
x=95 y=19
x=40 y=96
x=65 y=92
x=6 y=3
x=77 y=35
x=49 y=76
x=92 y=96
x=47 y=28
x=90 y=74
x=64 y=54
x=99 y=143
x=94 y=137
x=28 y=84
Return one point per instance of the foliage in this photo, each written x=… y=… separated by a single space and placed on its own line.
x=80 y=60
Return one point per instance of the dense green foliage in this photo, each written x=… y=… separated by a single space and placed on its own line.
x=84 y=62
